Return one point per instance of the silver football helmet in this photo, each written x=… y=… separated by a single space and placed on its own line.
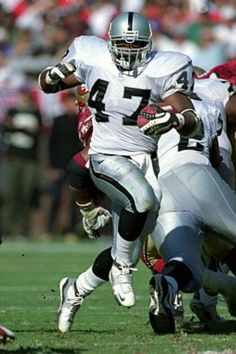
x=129 y=41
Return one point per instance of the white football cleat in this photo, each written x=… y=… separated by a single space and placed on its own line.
x=204 y=308
x=120 y=277
x=70 y=302
x=6 y=335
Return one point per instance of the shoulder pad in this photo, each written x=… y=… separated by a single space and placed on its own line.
x=91 y=49
x=167 y=63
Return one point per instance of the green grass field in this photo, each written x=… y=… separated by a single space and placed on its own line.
x=30 y=272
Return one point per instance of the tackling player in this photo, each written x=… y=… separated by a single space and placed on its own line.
x=218 y=86
x=214 y=86
x=194 y=199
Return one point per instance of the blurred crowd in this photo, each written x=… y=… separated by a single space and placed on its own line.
x=34 y=199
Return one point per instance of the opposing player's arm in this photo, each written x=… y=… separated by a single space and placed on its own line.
x=59 y=77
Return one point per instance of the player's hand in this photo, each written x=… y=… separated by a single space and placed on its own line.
x=158 y=120
x=60 y=72
x=94 y=218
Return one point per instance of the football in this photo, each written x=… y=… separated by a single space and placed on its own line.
x=148 y=112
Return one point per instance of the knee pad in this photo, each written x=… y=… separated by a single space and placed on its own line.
x=131 y=224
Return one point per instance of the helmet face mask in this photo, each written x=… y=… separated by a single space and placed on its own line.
x=129 y=41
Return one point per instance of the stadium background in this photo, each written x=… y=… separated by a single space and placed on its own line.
x=36 y=34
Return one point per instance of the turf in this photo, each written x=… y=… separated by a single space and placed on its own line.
x=30 y=272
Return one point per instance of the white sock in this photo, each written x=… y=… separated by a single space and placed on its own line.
x=123 y=251
x=87 y=282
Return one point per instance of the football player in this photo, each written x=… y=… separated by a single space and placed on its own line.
x=123 y=75
x=218 y=86
x=194 y=199
x=215 y=86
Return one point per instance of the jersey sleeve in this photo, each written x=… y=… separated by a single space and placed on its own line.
x=73 y=54
x=179 y=81
x=171 y=72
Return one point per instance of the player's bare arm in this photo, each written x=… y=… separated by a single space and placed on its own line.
x=184 y=106
x=157 y=119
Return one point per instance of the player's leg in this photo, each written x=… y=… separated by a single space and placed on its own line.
x=204 y=301
x=74 y=290
x=153 y=261
x=220 y=215
x=215 y=205
x=178 y=238
x=211 y=199
x=125 y=184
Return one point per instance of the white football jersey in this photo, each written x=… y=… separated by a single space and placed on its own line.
x=174 y=150
x=115 y=98
x=216 y=91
